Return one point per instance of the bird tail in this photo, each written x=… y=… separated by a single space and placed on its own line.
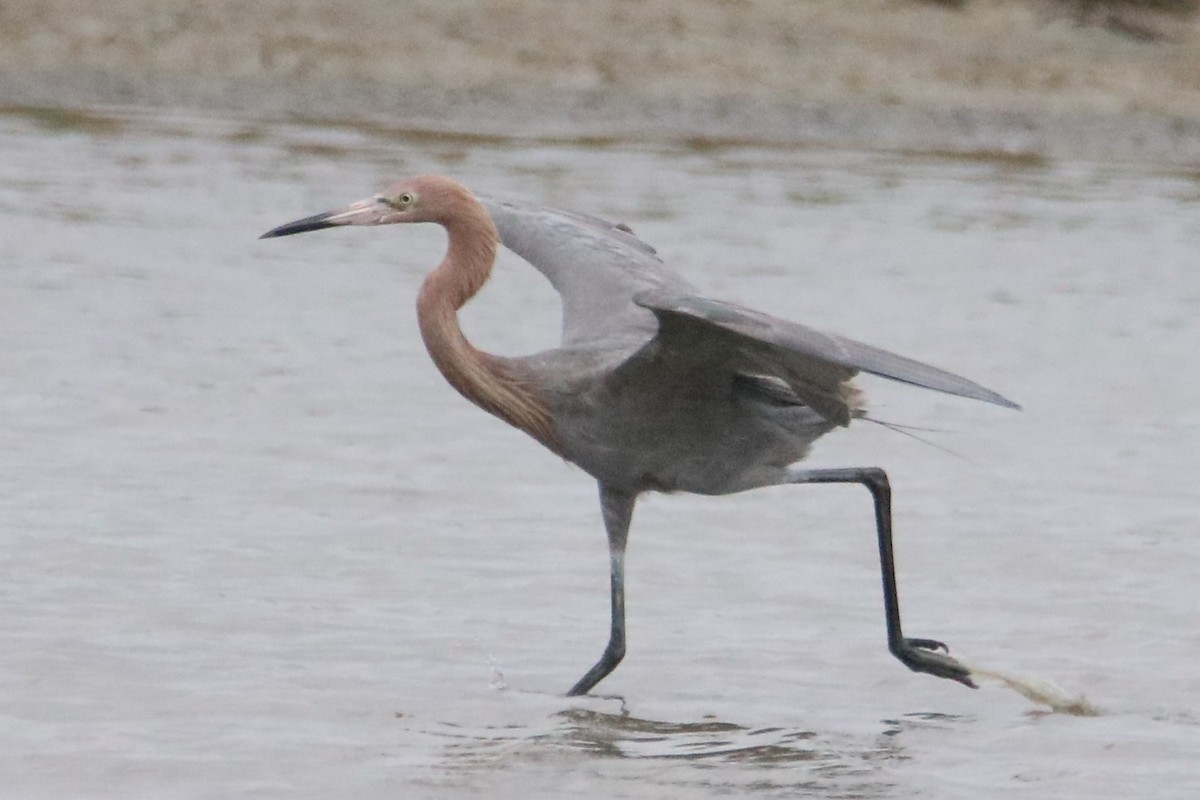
x=910 y=432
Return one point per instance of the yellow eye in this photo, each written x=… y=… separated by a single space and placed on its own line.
x=406 y=199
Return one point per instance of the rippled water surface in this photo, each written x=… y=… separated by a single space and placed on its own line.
x=251 y=545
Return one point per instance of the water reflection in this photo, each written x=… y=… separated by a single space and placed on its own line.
x=770 y=759
x=626 y=736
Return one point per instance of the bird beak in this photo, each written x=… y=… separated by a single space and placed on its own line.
x=371 y=211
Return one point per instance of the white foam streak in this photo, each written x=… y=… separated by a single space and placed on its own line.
x=1039 y=690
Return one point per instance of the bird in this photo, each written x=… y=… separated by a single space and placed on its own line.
x=654 y=386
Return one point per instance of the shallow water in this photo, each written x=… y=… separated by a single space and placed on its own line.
x=252 y=545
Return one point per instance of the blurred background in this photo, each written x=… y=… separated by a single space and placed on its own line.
x=252 y=545
x=729 y=68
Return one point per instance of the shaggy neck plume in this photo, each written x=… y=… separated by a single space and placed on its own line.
x=486 y=380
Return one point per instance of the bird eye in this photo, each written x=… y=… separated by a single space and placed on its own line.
x=406 y=199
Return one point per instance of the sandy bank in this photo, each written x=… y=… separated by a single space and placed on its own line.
x=1008 y=75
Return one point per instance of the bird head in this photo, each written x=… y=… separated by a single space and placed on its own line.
x=413 y=200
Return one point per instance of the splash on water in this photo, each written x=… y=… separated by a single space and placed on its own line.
x=1039 y=690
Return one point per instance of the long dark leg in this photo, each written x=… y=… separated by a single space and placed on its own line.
x=617 y=508
x=918 y=655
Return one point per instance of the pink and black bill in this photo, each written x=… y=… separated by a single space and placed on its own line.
x=316 y=222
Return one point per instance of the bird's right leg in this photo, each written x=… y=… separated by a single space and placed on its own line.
x=617 y=508
x=919 y=655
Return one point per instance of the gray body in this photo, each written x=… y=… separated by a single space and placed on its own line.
x=711 y=432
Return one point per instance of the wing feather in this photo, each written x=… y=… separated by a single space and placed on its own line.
x=814 y=365
x=616 y=291
x=596 y=266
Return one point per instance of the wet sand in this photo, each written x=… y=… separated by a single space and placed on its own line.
x=1016 y=77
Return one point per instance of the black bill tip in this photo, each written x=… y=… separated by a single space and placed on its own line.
x=314 y=223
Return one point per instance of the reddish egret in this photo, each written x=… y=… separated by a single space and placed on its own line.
x=655 y=388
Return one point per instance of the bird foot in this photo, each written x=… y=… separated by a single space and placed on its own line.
x=921 y=655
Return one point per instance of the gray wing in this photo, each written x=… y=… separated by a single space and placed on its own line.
x=596 y=266
x=814 y=365
x=615 y=289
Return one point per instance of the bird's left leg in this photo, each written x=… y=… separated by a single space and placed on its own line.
x=617 y=508
x=919 y=655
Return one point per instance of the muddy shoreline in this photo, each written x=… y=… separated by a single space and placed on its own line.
x=1000 y=77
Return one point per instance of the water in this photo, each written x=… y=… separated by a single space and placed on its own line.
x=252 y=545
